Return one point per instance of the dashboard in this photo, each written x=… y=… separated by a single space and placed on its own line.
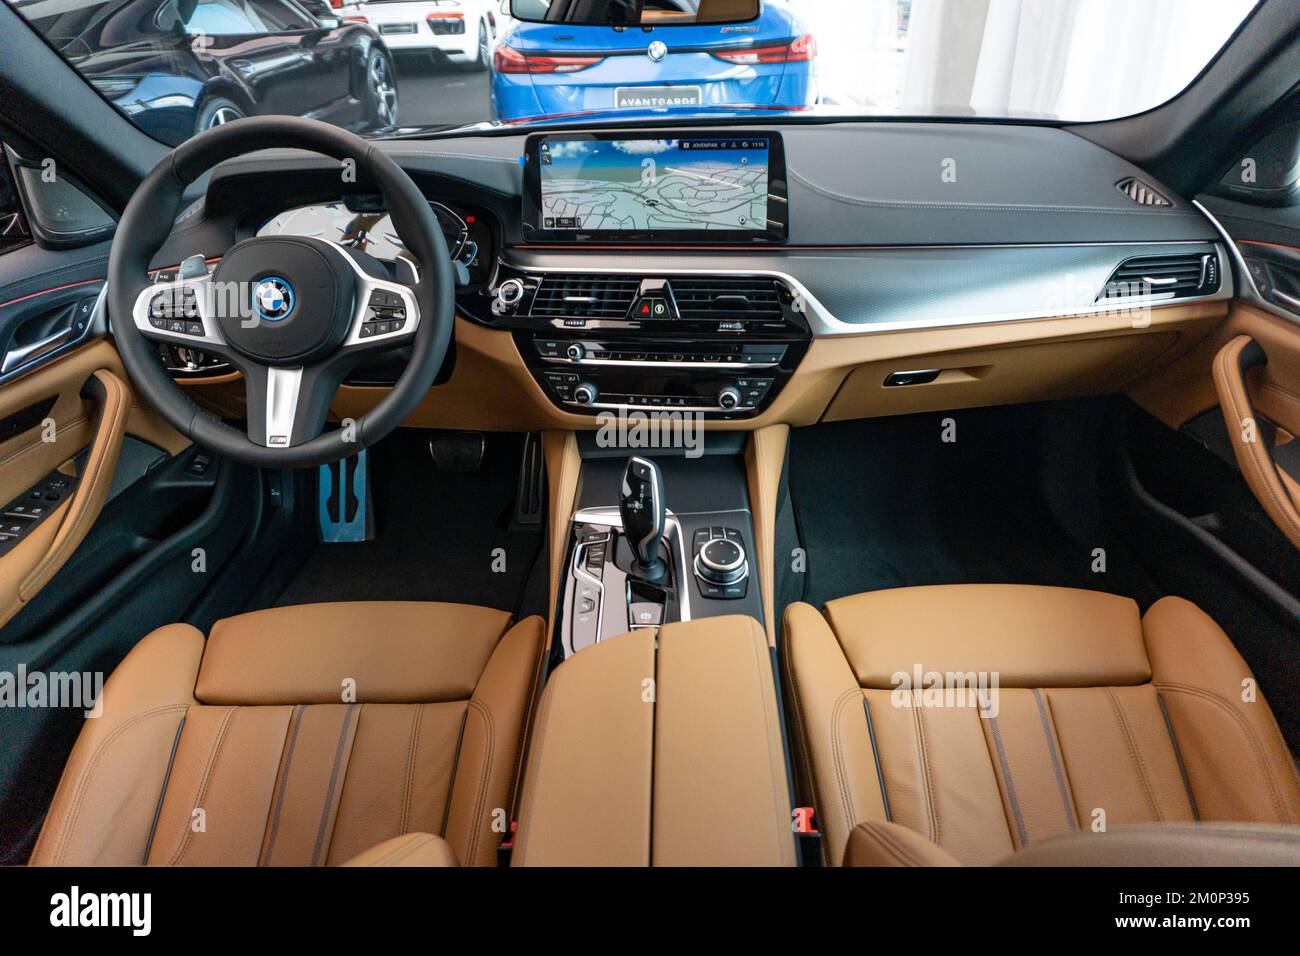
x=758 y=276
x=360 y=222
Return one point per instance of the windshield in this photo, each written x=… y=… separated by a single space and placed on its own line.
x=384 y=67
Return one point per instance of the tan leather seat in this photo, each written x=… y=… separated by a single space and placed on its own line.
x=1100 y=718
x=386 y=733
x=1167 y=844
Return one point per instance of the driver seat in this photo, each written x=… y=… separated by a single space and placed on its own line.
x=370 y=732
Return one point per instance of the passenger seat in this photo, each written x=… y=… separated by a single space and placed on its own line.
x=1100 y=718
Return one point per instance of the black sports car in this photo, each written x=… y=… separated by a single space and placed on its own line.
x=177 y=67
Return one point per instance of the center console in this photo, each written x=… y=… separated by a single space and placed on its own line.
x=675 y=544
x=616 y=339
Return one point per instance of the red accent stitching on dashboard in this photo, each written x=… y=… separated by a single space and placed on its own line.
x=1271 y=245
x=73 y=285
x=57 y=288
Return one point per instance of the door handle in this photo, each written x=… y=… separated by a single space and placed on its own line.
x=21 y=355
x=1289 y=301
x=1277 y=493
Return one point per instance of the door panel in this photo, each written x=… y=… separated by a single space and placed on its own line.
x=88 y=406
x=66 y=407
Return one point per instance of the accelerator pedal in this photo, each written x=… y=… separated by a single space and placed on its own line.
x=344 y=509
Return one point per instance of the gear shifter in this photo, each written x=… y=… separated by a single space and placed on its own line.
x=641 y=503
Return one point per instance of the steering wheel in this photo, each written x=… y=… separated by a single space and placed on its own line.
x=293 y=314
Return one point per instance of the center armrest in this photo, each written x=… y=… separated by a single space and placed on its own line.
x=663 y=756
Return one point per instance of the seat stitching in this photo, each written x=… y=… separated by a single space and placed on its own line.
x=773 y=745
x=538 y=763
x=894 y=848
x=412 y=748
x=1138 y=762
x=875 y=759
x=204 y=780
x=837 y=751
x=78 y=799
x=162 y=794
x=1178 y=756
x=918 y=721
x=1256 y=744
x=525 y=723
x=278 y=804
x=481 y=796
x=1057 y=766
x=804 y=770
x=402 y=852
x=335 y=770
x=1012 y=797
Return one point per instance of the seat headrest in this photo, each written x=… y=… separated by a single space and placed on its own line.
x=1030 y=636
x=376 y=651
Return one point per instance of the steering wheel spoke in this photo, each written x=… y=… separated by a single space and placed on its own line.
x=287 y=406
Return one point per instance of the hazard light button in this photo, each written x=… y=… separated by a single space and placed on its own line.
x=652 y=308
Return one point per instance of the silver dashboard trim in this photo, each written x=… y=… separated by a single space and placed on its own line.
x=1256 y=297
x=610 y=517
x=824 y=323
x=617 y=363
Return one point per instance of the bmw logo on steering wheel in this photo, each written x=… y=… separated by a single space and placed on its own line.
x=273 y=299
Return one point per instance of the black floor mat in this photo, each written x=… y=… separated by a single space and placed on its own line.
x=888 y=503
x=439 y=535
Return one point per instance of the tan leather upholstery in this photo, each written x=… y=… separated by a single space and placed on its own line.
x=1098 y=717
x=412 y=849
x=1254 y=457
x=888 y=844
x=303 y=736
x=672 y=758
x=1171 y=844
x=30 y=566
x=1094 y=638
x=764 y=462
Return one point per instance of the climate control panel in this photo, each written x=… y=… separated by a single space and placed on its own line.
x=723 y=345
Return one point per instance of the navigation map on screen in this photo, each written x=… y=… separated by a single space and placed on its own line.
x=643 y=185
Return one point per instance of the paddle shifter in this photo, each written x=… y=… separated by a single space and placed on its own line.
x=641 y=503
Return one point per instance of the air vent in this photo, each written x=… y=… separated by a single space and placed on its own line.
x=709 y=299
x=1141 y=193
x=585 y=297
x=1172 y=277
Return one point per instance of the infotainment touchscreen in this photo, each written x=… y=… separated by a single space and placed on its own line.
x=638 y=187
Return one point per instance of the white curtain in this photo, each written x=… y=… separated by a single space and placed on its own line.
x=1075 y=59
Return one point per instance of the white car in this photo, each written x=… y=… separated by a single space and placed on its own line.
x=457 y=31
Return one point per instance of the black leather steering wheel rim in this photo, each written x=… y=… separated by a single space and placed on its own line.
x=148 y=220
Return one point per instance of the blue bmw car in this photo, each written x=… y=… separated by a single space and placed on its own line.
x=545 y=70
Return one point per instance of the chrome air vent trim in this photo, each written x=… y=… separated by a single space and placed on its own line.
x=1178 y=276
x=591 y=296
x=728 y=298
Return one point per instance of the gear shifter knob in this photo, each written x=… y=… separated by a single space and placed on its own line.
x=641 y=504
